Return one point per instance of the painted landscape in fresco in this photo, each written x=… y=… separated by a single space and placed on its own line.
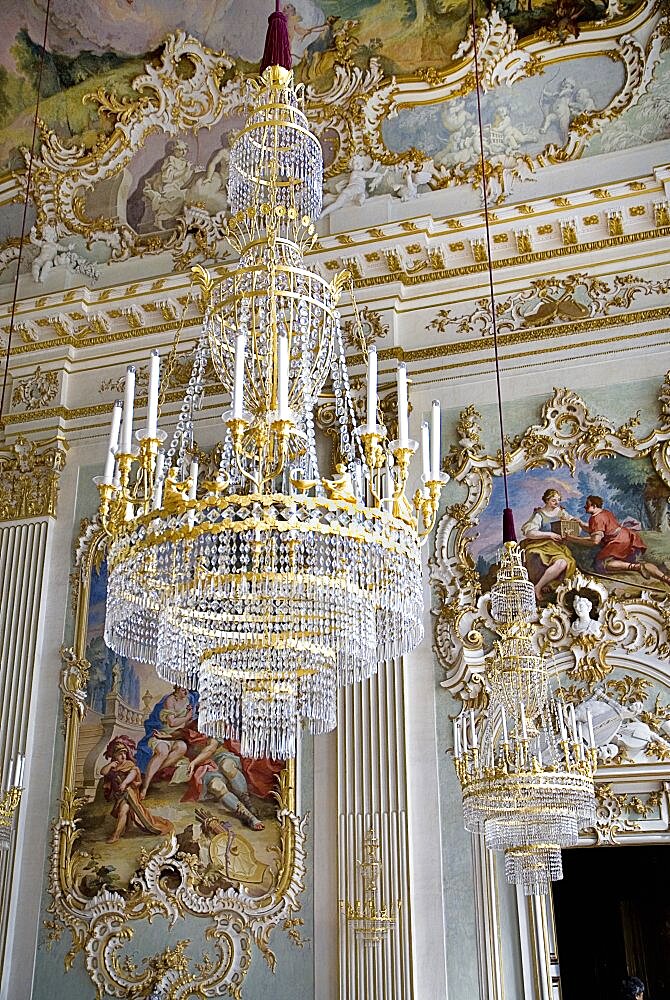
x=637 y=499
x=96 y=44
x=144 y=771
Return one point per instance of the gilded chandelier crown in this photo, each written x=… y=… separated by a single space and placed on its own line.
x=271 y=583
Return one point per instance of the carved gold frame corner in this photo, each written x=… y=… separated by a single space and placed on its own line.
x=102 y=926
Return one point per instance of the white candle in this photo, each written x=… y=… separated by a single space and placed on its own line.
x=403 y=409
x=193 y=489
x=573 y=722
x=152 y=401
x=282 y=380
x=472 y=727
x=238 y=385
x=158 y=479
x=372 y=389
x=113 y=443
x=561 y=721
x=425 y=451
x=457 y=740
x=128 y=405
x=435 y=437
x=22 y=763
x=18 y=771
x=504 y=724
x=589 y=721
x=359 y=480
x=524 y=732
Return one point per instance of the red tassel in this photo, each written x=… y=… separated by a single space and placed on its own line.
x=277 y=46
x=509 y=531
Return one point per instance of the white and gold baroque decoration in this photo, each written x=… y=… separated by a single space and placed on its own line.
x=573 y=299
x=608 y=640
x=30 y=471
x=169 y=882
x=191 y=89
x=567 y=434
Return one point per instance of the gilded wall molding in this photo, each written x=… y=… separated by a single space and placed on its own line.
x=29 y=473
x=171 y=879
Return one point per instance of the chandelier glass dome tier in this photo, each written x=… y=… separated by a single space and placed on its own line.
x=526 y=769
x=267 y=584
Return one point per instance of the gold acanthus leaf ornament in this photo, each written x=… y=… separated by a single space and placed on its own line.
x=30 y=471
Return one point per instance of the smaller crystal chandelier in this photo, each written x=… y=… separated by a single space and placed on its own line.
x=527 y=771
x=10 y=799
x=372 y=921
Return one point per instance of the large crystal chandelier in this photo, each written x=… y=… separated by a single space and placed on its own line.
x=269 y=584
x=527 y=771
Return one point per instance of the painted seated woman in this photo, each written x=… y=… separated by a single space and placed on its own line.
x=548 y=558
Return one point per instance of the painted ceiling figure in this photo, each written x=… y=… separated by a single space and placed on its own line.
x=166 y=190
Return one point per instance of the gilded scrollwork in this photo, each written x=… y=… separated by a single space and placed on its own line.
x=351 y=102
x=624 y=815
x=170 y=882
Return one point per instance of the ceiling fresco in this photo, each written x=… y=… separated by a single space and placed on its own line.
x=139 y=104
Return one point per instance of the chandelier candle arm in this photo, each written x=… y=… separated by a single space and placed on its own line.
x=403 y=409
x=282 y=380
x=128 y=404
x=425 y=450
x=238 y=387
x=589 y=721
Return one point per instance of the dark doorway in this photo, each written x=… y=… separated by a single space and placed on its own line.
x=612 y=914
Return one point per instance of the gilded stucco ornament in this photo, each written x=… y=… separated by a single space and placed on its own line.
x=169 y=882
x=29 y=474
x=572 y=298
x=36 y=391
x=623 y=816
x=627 y=626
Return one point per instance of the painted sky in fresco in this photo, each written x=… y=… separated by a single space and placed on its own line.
x=522 y=119
x=134 y=27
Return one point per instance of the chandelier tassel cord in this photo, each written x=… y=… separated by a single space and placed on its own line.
x=26 y=200
x=509 y=532
x=525 y=763
x=267 y=583
x=277 y=44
